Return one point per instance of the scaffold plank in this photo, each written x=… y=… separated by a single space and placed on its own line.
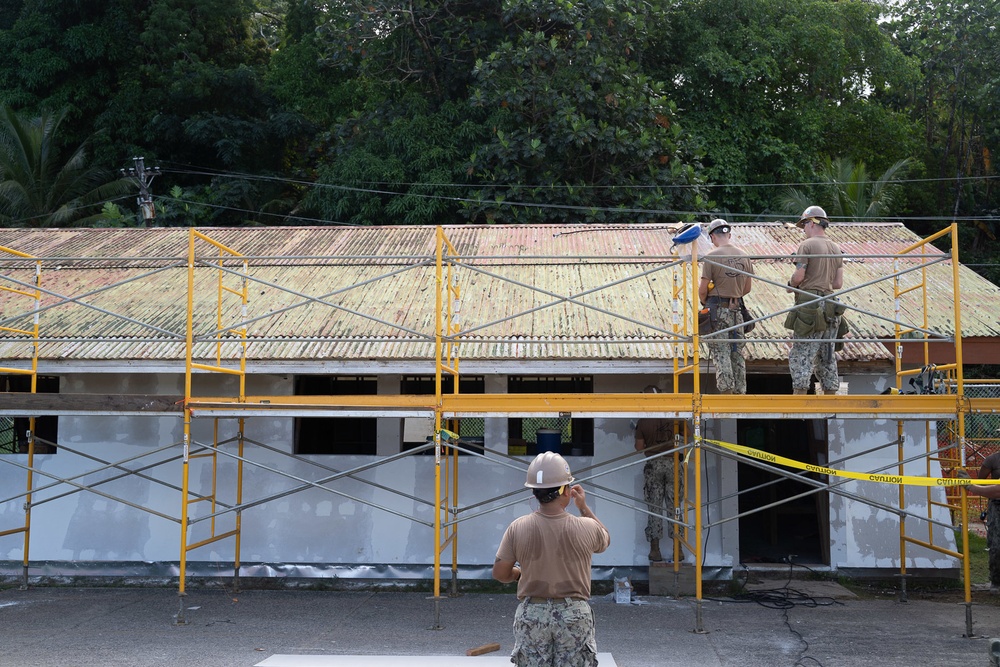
x=18 y=404
x=676 y=406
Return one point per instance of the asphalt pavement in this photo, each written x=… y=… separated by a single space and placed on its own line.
x=774 y=626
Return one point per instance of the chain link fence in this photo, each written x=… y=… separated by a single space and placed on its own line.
x=982 y=438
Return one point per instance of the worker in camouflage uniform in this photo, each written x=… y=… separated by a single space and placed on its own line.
x=655 y=436
x=548 y=553
x=725 y=280
x=991 y=469
x=819 y=271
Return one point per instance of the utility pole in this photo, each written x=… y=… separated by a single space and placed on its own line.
x=143 y=177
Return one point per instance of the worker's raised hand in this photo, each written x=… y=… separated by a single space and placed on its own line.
x=579 y=496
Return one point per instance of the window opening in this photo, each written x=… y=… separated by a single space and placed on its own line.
x=336 y=435
x=416 y=430
x=14 y=430
x=576 y=433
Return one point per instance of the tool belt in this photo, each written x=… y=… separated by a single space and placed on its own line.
x=713 y=304
x=814 y=316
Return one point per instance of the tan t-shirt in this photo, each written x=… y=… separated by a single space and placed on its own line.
x=554 y=553
x=654 y=431
x=728 y=284
x=820 y=271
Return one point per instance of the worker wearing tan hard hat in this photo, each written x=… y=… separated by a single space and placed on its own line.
x=726 y=277
x=548 y=553
x=815 y=324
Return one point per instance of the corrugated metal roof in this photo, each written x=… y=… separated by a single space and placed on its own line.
x=528 y=292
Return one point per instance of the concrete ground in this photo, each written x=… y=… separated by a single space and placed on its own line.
x=808 y=623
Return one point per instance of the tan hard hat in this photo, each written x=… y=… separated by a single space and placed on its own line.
x=815 y=213
x=548 y=470
x=718 y=225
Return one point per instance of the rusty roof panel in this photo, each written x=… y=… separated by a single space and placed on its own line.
x=538 y=292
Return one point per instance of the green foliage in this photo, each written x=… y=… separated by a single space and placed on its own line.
x=956 y=102
x=301 y=79
x=520 y=110
x=68 y=55
x=399 y=165
x=847 y=192
x=112 y=216
x=769 y=85
x=40 y=187
x=466 y=106
x=426 y=45
x=580 y=130
x=182 y=208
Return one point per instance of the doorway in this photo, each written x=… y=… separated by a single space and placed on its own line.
x=789 y=528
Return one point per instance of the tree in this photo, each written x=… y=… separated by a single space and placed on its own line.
x=768 y=86
x=398 y=151
x=956 y=102
x=581 y=129
x=38 y=187
x=847 y=192
x=516 y=111
x=177 y=81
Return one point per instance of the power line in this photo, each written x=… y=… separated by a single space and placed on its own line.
x=565 y=207
x=205 y=171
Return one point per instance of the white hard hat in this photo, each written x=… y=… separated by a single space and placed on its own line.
x=718 y=225
x=548 y=470
x=814 y=213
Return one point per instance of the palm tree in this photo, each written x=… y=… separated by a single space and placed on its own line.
x=847 y=193
x=37 y=188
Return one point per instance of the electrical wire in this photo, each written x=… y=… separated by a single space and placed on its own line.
x=782 y=598
x=207 y=171
x=384 y=189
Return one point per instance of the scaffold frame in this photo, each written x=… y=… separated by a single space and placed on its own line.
x=227 y=336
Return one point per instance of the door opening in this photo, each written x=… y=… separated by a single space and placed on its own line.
x=790 y=526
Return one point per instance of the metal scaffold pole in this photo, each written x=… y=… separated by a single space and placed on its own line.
x=694 y=413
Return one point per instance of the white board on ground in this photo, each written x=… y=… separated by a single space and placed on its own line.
x=604 y=659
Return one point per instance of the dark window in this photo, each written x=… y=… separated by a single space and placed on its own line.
x=336 y=435
x=14 y=430
x=577 y=432
x=472 y=428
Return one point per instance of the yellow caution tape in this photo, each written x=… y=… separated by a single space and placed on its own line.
x=884 y=478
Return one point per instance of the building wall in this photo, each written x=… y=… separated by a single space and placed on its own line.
x=864 y=536
x=373 y=523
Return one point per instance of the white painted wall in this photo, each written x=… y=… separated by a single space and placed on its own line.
x=864 y=536
x=362 y=523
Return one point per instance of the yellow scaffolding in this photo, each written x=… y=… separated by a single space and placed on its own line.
x=230 y=338
x=35 y=295
x=224 y=334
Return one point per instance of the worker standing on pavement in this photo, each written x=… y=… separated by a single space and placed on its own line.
x=548 y=553
x=991 y=469
x=653 y=437
x=815 y=324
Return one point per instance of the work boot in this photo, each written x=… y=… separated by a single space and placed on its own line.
x=654 y=553
x=800 y=391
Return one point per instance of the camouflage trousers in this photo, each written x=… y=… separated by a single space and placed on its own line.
x=814 y=354
x=730 y=367
x=658 y=492
x=554 y=634
x=993 y=540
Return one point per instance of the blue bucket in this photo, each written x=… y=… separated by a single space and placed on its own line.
x=549 y=440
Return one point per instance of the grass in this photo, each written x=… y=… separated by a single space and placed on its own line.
x=979 y=558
